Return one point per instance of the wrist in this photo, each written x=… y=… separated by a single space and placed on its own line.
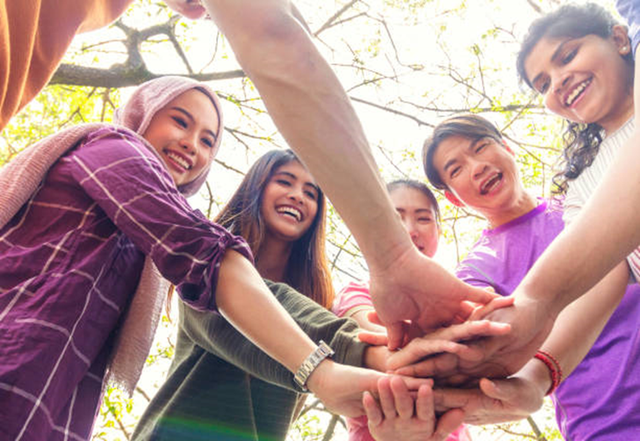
x=320 y=375
x=554 y=369
x=311 y=363
x=375 y=357
x=537 y=373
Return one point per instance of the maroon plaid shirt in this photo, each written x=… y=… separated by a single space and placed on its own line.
x=70 y=261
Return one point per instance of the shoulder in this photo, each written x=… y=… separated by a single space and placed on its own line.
x=114 y=146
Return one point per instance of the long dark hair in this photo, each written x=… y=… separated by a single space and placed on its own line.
x=582 y=141
x=307 y=269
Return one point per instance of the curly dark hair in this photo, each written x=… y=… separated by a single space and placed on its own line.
x=582 y=141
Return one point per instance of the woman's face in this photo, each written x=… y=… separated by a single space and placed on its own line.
x=585 y=80
x=184 y=134
x=418 y=217
x=289 y=202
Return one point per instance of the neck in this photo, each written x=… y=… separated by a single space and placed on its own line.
x=272 y=258
x=524 y=204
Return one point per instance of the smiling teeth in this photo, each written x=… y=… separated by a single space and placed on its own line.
x=577 y=91
x=180 y=160
x=295 y=213
x=490 y=183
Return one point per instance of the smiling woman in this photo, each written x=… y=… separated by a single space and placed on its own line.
x=184 y=134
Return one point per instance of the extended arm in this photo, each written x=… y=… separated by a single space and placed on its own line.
x=522 y=394
x=216 y=335
x=314 y=114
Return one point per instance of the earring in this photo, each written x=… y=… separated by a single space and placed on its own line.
x=625 y=48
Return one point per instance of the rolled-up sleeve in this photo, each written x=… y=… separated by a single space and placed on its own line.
x=138 y=195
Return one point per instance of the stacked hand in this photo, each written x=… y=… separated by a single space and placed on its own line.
x=496 y=356
x=414 y=287
x=398 y=415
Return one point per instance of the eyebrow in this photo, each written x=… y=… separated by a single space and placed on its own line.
x=554 y=57
x=192 y=119
x=292 y=176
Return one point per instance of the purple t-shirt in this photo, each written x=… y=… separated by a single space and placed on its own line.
x=70 y=261
x=630 y=11
x=600 y=400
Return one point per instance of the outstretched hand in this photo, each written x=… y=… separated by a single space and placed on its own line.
x=340 y=387
x=414 y=287
x=448 y=340
x=497 y=356
x=397 y=416
x=497 y=401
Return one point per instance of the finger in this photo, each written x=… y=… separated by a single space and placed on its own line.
x=438 y=365
x=419 y=348
x=447 y=423
x=371 y=409
x=466 y=309
x=479 y=295
x=373 y=338
x=497 y=303
x=374 y=318
x=413 y=384
x=395 y=333
x=473 y=329
x=425 y=410
x=386 y=398
x=447 y=399
x=402 y=398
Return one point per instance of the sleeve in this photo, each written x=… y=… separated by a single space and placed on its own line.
x=470 y=271
x=136 y=192
x=352 y=298
x=630 y=11
x=573 y=203
x=215 y=335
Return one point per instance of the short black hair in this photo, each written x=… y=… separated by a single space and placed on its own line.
x=467 y=125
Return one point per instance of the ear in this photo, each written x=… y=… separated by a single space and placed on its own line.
x=453 y=199
x=620 y=37
x=507 y=147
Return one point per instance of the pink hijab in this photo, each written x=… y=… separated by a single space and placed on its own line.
x=21 y=177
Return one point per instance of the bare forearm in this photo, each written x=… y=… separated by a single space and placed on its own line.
x=605 y=232
x=247 y=303
x=312 y=111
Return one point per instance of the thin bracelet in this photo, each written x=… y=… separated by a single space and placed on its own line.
x=554 y=369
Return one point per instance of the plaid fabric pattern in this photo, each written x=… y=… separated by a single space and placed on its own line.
x=70 y=261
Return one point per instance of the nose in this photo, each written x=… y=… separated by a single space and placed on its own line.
x=478 y=169
x=189 y=142
x=296 y=193
x=559 y=81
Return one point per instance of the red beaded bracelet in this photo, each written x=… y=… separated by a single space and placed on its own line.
x=554 y=369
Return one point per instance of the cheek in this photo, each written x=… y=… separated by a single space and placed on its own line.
x=312 y=211
x=552 y=103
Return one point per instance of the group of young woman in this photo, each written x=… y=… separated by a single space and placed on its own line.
x=99 y=218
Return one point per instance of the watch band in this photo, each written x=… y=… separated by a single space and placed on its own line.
x=310 y=363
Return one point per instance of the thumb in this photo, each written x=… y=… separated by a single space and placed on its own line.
x=496 y=389
x=395 y=333
x=373 y=338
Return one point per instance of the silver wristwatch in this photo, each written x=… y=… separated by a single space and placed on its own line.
x=312 y=361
